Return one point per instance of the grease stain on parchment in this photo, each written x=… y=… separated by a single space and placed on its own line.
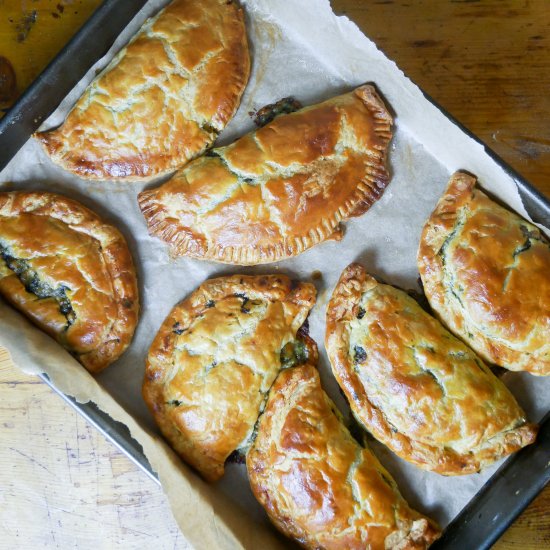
x=268 y=35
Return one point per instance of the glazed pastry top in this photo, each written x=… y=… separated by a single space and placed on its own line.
x=214 y=359
x=279 y=190
x=162 y=100
x=413 y=385
x=70 y=273
x=318 y=485
x=486 y=273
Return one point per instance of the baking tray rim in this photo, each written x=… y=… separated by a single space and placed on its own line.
x=33 y=107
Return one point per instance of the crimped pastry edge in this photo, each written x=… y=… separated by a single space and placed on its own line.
x=115 y=252
x=368 y=191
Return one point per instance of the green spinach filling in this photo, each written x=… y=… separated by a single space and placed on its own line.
x=293 y=353
x=530 y=238
x=31 y=281
x=266 y=114
x=359 y=355
x=177 y=328
x=245 y=299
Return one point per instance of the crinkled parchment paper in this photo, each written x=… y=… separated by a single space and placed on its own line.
x=300 y=49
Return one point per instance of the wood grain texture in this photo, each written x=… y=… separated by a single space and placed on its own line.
x=486 y=62
x=531 y=531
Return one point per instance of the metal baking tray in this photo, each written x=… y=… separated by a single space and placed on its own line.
x=513 y=486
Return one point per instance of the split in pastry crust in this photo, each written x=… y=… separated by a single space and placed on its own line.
x=70 y=273
x=317 y=484
x=413 y=385
x=214 y=359
x=279 y=190
x=486 y=273
x=162 y=100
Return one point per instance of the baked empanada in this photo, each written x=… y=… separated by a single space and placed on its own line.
x=279 y=190
x=413 y=385
x=70 y=273
x=162 y=100
x=214 y=359
x=486 y=273
x=317 y=484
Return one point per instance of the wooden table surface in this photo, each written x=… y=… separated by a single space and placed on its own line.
x=62 y=485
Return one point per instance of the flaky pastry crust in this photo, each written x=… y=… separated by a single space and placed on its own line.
x=279 y=190
x=486 y=273
x=214 y=359
x=162 y=100
x=413 y=385
x=70 y=273
x=317 y=484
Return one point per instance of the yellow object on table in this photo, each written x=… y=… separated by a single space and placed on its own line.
x=31 y=33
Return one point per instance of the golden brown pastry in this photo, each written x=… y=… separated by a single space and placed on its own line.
x=486 y=273
x=70 y=273
x=162 y=100
x=413 y=385
x=317 y=484
x=214 y=359
x=279 y=190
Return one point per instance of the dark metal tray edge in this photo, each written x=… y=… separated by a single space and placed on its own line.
x=116 y=432
x=92 y=41
x=507 y=493
x=525 y=474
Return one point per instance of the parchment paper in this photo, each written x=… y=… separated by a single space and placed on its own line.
x=300 y=49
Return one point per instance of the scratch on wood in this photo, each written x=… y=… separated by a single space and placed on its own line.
x=33 y=460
